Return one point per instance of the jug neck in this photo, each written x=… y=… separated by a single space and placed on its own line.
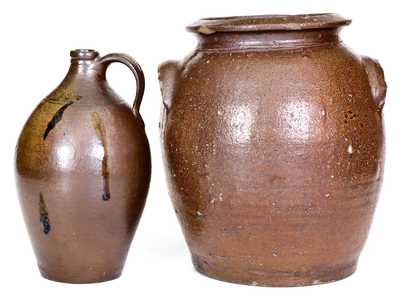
x=84 y=63
x=268 y=40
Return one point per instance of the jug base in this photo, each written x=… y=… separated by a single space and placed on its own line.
x=81 y=278
x=270 y=278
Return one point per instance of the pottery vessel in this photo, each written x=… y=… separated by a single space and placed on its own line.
x=273 y=142
x=83 y=172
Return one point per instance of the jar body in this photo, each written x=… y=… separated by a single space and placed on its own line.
x=274 y=160
x=82 y=171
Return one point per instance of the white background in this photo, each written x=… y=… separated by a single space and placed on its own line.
x=35 y=39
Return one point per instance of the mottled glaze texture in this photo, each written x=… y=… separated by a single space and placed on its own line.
x=83 y=171
x=274 y=148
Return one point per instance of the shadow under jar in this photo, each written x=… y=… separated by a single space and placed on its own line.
x=274 y=148
x=83 y=172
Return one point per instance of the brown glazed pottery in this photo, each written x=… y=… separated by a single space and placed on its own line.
x=273 y=143
x=83 y=171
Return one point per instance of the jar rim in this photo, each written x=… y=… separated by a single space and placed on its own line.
x=268 y=23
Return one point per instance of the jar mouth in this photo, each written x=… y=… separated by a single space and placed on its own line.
x=268 y=23
x=83 y=54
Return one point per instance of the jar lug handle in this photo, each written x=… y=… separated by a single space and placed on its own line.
x=376 y=80
x=167 y=76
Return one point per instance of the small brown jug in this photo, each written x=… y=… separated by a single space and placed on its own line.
x=273 y=141
x=83 y=172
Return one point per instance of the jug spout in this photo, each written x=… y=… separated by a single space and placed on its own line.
x=167 y=75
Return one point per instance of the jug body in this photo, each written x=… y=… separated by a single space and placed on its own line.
x=83 y=171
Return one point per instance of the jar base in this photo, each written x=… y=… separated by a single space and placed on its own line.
x=270 y=278
x=80 y=278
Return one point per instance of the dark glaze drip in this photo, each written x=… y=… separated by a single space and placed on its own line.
x=44 y=215
x=56 y=118
x=100 y=132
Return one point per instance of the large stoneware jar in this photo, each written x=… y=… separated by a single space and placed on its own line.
x=274 y=148
x=83 y=171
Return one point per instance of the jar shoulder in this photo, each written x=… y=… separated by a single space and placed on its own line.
x=331 y=58
x=300 y=95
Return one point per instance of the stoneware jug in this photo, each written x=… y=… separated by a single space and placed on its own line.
x=274 y=148
x=83 y=172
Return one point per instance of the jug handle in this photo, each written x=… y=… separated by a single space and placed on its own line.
x=137 y=72
x=376 y=80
